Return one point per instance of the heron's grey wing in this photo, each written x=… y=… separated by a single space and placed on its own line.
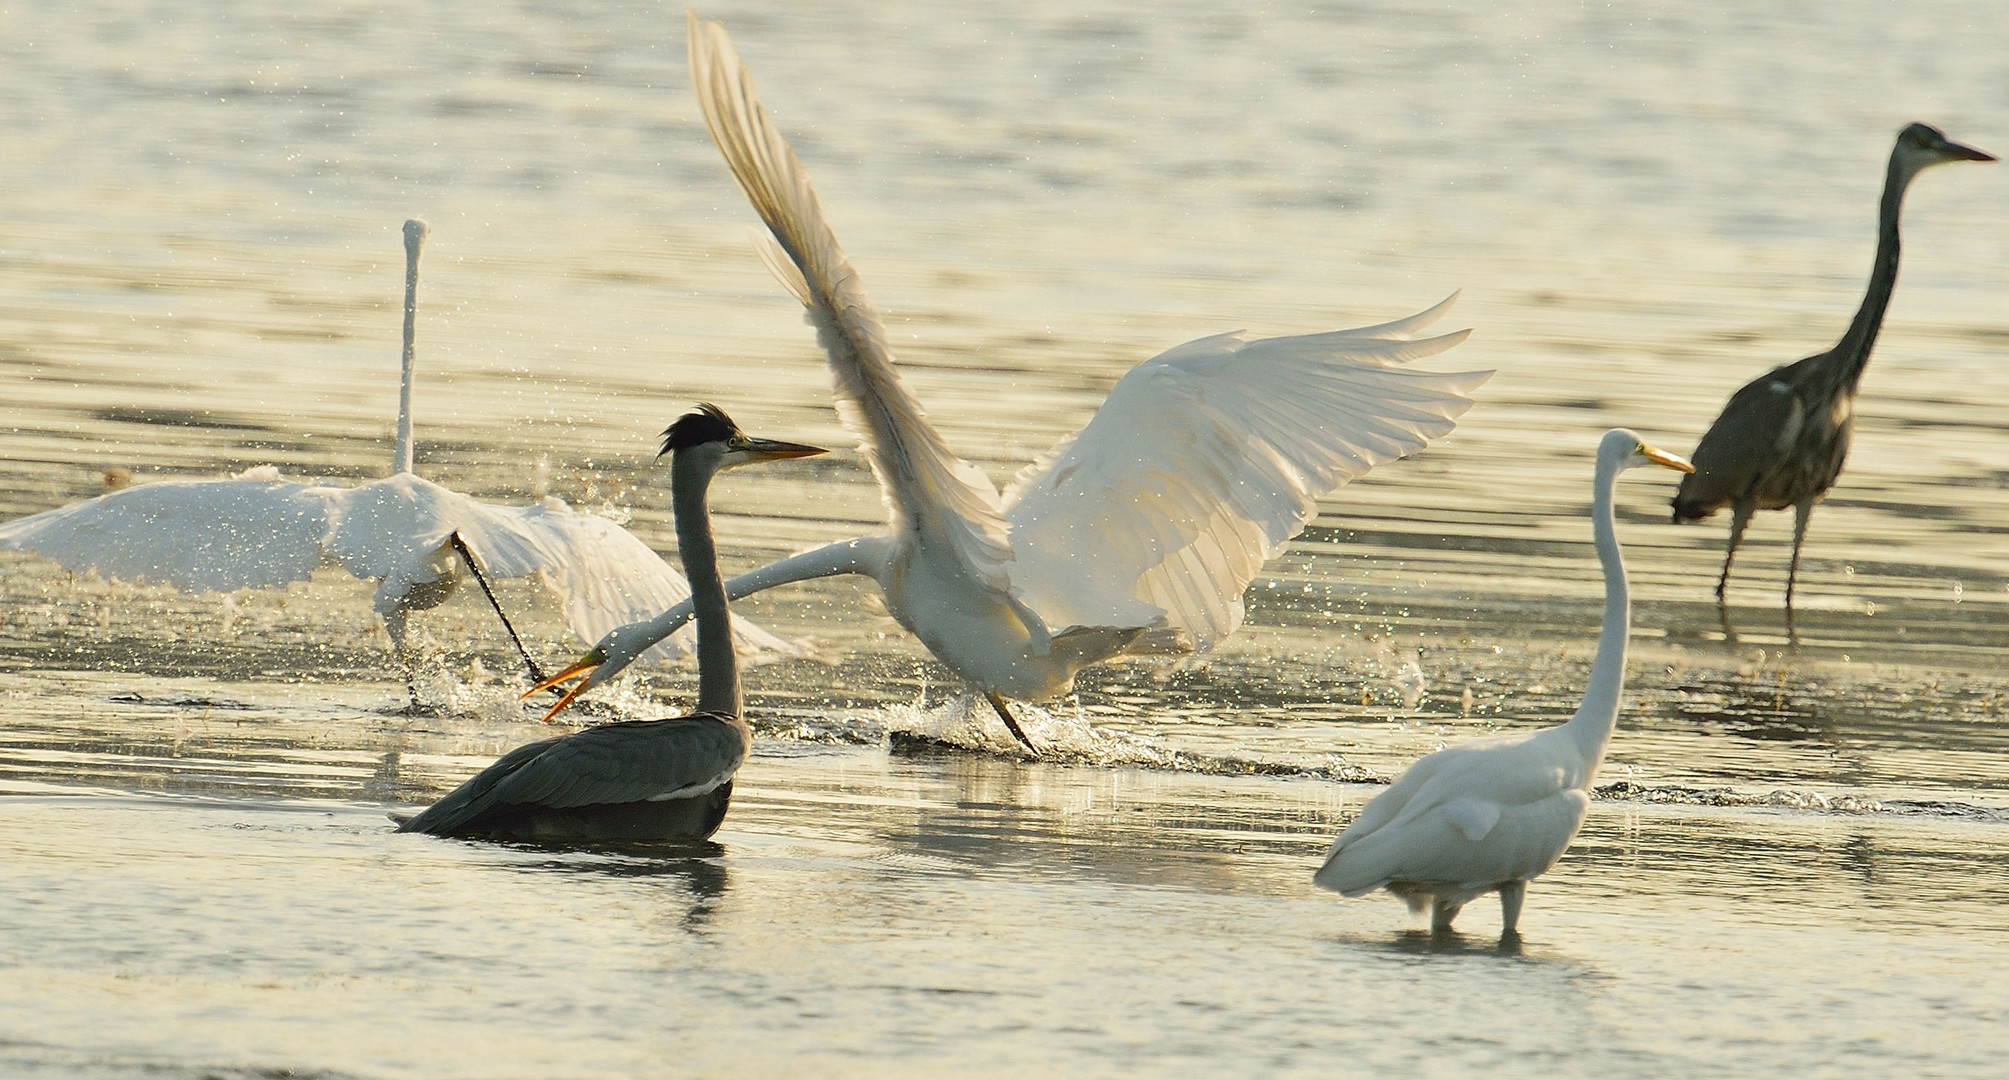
x=1205 y=459
x=464 y=803
x=926 y=487
x=631 y=761
x=1751 y=438
x=253 y=530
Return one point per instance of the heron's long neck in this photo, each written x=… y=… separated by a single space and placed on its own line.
x=1853 y=350
x=718 y=668
x=1591 y=727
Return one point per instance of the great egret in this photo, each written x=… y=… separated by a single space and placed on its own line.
x=639 y=779
x=1493 y=814
x=1782 y=439
x=1137 y=534
x=256 y=530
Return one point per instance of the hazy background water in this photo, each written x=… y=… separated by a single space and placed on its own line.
x=1646 y=205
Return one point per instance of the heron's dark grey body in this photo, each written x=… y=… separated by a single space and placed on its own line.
x=614 y=782
x=1783 y=438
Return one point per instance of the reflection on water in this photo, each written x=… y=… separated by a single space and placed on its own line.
x=1794 y=863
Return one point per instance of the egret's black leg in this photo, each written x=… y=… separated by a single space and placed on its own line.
x=1004 y=713
x=467 y=556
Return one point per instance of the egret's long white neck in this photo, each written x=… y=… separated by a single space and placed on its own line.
x=1591 y=727
x=401 y=454
x=718 y=668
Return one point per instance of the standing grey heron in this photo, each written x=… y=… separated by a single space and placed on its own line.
x=1492 y=815
x=1782 y=439
x=638 y=779
x=1137 y=534
x=255 y=530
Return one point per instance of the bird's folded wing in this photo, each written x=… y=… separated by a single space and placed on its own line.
x=1205 y=459
x=628 y=762
x=950 y=503
x=252 y=531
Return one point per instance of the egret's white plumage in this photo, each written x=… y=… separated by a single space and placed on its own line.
x=1139 y=532
x=1493 y=814
x=258 y=530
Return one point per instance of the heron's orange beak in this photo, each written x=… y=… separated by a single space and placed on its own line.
x=578 y=670
x=1662 y=457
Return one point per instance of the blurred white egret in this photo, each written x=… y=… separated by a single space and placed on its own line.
x=256 y=530
x=1137 y=534
x=639 y=779
x=1493 y=814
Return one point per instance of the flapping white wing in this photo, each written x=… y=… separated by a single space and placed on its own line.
x=250 y=531
x=395 y=528
x=1205 y=459
x=950 y=503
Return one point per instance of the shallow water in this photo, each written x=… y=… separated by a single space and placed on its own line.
x=1796 y=859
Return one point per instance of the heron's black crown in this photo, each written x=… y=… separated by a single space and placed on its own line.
x=708 y=424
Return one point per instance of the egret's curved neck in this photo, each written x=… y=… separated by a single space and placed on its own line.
x=1854 y=348
x=401 y=454
x=1591 y=727
x=718 y=668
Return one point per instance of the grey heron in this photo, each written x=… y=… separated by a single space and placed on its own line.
x=1783 y=437
x=637 y=779
x=257 y=530
x=1137 y=534
x=1491 y=815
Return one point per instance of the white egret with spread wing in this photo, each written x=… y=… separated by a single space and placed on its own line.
x=257 y=530
x=638 y=779
x=1138 y=533
x=1491 y=815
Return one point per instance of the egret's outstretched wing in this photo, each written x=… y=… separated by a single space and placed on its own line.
x=395 y=529
x=250 y=531
x=950 y=503
x=1206 y=458
x=616 y=763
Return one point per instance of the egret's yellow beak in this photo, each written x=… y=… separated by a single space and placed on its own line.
x=1662 y=457
x=578 y=670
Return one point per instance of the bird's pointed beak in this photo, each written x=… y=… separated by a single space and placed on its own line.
x=1957 y=152
x=775 y=450
x=582 y=667
x=1663 y=458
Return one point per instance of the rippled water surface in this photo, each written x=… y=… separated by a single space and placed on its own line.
x=1797 y=859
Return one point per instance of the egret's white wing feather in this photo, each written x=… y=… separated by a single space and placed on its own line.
x=1205 y=459
x=249 y=532
x=396 y=529
x=926 y=487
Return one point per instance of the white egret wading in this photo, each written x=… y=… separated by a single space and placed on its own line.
x=255 y=530
x=1783 y=438
x=1491 y=815
x=1137 y=534
x=639 y=779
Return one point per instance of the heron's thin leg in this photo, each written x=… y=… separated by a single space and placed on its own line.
x=1441 y=914
x=1511 y=895
x=467 y=556
x=1740 y=519
x=1802 y=510
x=1004 y=713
